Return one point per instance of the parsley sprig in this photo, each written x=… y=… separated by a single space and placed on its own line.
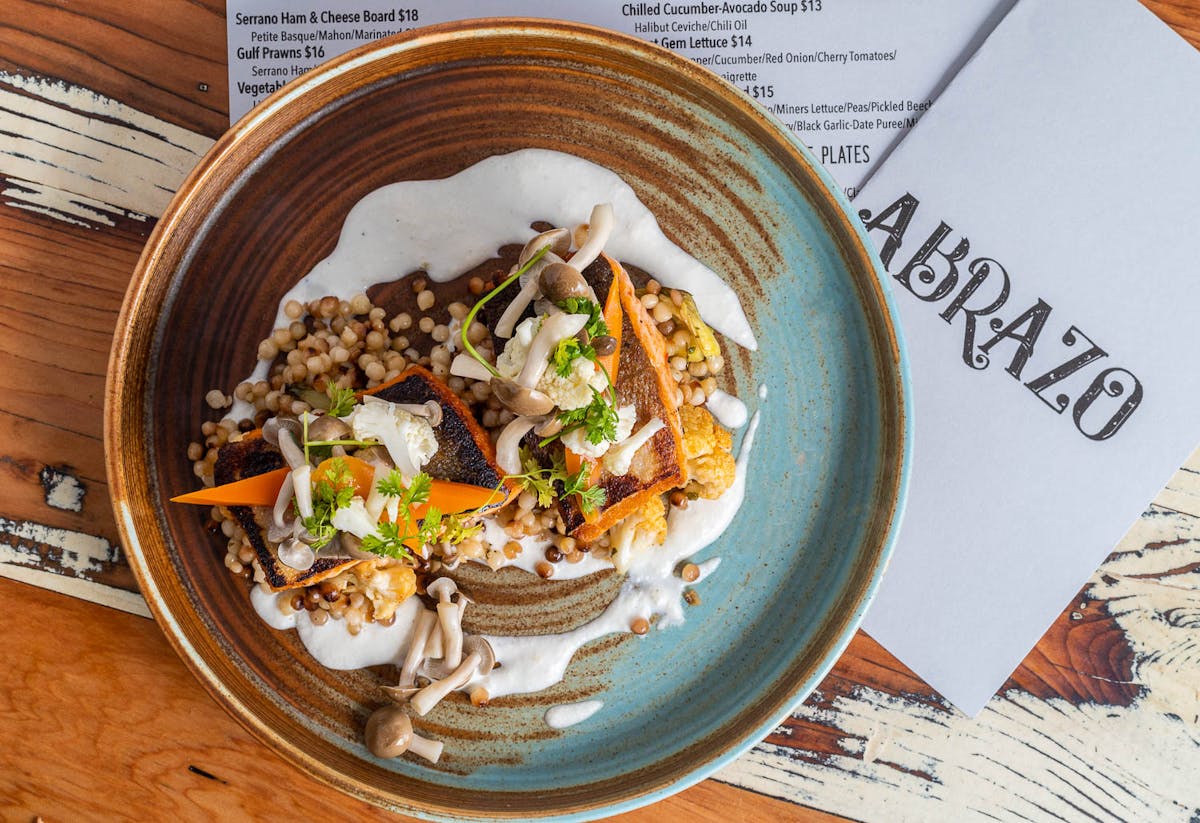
x=598 y=419
x=393 y=539
x=540 y=480
x=341 y=401
x=333 y=491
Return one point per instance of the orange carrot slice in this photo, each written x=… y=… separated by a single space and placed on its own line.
x=361 y=472
x=263 y=489
x=260 y=490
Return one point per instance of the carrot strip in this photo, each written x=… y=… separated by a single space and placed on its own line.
x=260 y=490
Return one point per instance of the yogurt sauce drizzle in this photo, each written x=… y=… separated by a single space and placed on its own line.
x=449 y=226
x=568 y=714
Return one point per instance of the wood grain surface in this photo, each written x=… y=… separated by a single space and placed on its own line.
x=103 y=108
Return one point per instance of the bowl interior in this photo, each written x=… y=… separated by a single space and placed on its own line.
x=727 y=185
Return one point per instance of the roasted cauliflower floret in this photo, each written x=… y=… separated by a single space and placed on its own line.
x=385 y=586
x=644 y=528
x=707 y=447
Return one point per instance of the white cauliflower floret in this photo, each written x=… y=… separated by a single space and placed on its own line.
x=575 y=390
x=571 y=392
x=576 y=439
x=409 y=439
x=355 y=519
x=512 y=359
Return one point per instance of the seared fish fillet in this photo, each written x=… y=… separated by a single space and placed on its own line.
x=465 y=455
x=643 y=379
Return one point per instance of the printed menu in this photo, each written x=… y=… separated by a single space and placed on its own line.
x=1041 y=262
x=848 y=77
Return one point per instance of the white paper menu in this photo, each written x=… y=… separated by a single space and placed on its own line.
x=1038 y=228
x=849 y=77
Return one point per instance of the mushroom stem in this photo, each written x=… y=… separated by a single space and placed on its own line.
x=433 y=694
x=450 y=617
x=416 y=648
x=283 y=501
x=555 y=329
x=529 y=290
x=600 y=226
x=508 y=454
x=431 y=750
x=292 y=453
x=464 y=365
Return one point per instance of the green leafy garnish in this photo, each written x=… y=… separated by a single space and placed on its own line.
x=598 y=419
x=540 y=480
x=341 y=401
x=596 y=327
x=388 y=540
x=566 y=352
x=333 y=491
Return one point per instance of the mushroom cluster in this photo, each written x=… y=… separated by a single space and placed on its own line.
x=440 y=659
x=404 y=437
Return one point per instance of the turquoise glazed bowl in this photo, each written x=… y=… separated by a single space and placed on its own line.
x=728 y=184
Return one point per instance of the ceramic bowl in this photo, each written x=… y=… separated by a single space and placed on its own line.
x=729 y=185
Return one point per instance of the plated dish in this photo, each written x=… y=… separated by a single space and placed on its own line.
x=729 y=188
x=552 y=414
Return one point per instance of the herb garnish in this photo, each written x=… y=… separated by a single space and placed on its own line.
x=333 y=491
x=598 y=419
x=341 y=401
x=393 y=539
x=540 y=480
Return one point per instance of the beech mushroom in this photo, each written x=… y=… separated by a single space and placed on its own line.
x=559 y=241
x=562 y=280
x=426 y=622
x=530 y=288
x=328 y=427
x=600 y=226
x=464 y=365
x=480 y=659
x=296 y=554
x=389 y=733
x=508 y=445
x=449 y=617
x=521 y=400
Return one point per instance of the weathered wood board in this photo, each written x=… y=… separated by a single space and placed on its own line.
x=98 y=129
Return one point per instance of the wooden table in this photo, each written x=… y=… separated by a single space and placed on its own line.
x=103 y=109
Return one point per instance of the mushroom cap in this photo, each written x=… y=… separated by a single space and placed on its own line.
x=604 y=345
x=375 y=454
x=562 y=280
x=328 y=427
x=558 y=239
x=474 y=644
x=388 y=732
x=296 y=554
x=521 y=400
x=270 y=429
x=443 y=589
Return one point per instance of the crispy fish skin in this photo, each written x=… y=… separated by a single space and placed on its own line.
x=644 y=380
x=249 y=457
x=465 y=455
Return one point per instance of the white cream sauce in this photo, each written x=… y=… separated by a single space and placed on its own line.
x=533 y=551
x=568 y=714
x=730 y=411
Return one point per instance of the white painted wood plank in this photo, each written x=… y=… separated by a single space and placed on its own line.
x=85 y=158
